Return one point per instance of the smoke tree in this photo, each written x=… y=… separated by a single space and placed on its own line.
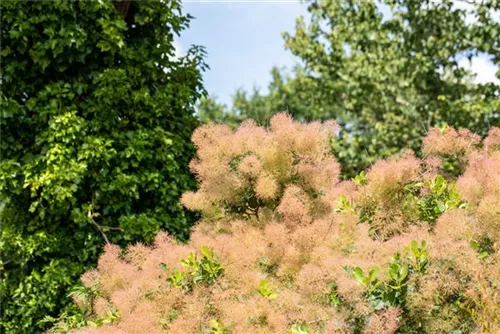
x=285 y=247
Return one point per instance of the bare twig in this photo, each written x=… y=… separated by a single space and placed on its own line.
x=91 y=220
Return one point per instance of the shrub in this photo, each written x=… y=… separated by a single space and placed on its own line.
x=392 y=251
x=450 y=148
x=252 y=172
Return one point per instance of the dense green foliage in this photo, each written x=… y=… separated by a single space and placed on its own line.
x=96 y=115
x=386 y=73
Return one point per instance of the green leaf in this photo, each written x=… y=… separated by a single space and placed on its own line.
x=359 y=275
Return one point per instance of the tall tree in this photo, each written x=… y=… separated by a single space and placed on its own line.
x=389 y=70
x=96 y=116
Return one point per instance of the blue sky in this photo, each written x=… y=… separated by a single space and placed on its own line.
x=243 y=40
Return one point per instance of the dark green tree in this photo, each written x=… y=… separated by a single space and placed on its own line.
x=387 y=71
x=96 y=118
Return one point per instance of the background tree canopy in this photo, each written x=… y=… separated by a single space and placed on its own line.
x=385 y=78
x=96 y=116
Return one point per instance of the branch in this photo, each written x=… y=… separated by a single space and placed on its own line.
x=91 y=219
x=472 y=44
x=122 y=6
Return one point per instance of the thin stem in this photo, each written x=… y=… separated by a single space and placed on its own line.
x=90 y=216
x=99 y=228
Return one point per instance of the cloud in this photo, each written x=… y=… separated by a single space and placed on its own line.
x=483 y=68
x=470 y=8
x=178 y=50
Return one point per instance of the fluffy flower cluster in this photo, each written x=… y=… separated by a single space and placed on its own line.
x=448 y=149
x=448 y=141
x=248 y=171
x=391 y=251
